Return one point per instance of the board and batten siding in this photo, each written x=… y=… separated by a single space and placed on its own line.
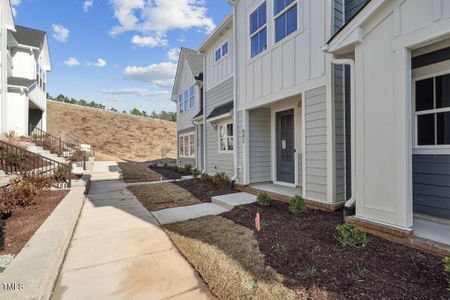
x=215 y=161
x=316 y=144
x=431 y=185
x=260 y=145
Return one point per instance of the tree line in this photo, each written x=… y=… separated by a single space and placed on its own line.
x=163 y=115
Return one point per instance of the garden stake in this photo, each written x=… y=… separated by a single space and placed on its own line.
x=258 y=222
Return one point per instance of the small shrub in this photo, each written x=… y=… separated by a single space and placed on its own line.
x=187 y=169
x=447 y=270
x=7 y=203
x=297 y=205
x=196 y=173
x=350 y=235
x=221 y=180
x=310 y=272
x=204 y=177
x=263 y=199
x=23 y=192
x=77 y=156
x=62 y=173
x=42 y=183
x=180 y=170
x=281 y=249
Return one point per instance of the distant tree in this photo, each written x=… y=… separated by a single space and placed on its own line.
x=113 y=109
x=136 y=112
x=124 y=111
x=144 y=113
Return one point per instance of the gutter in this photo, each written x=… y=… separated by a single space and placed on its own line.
x=350 y=204
x=235 y=119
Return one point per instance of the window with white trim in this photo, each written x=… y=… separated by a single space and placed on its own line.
x=192 y=97
x=258 y=30
x=285 y=15
x=186 y=145
x=226 y=140
x=187 y=99
x=181 y=102
x=222 y=51
x=432 y=111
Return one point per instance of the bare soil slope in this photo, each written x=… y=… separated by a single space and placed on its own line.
x=120 y=136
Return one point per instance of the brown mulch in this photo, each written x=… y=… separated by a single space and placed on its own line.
x=24 y=222
x=204 y=190
x=303 y=249
x=167 y=173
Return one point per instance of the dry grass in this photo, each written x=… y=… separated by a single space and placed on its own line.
x=228 y=258
x=116 y=135
x=164 y=195
x=138 y=172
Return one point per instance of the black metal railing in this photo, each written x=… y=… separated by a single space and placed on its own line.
x=52 y=143
x=16 y=160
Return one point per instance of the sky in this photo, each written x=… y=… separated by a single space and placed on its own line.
x=121 y=53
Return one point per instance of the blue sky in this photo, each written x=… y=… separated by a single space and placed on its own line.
x=121 y=53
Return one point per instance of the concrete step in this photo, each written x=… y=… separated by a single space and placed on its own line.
x=230 y=201
x=179 y=214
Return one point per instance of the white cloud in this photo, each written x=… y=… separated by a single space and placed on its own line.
x=87 y=5
x=160 y=16
x=60 y=33
x=72 y=62
x=14 y=5
x=133 y=91
x=161 y=74
x=149 y=41
x=173 y=54
x=100 y=63
x=113 y=99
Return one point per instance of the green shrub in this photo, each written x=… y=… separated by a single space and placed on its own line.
x=196 y=173
x=187 y=168
x=204 y=177
x=221 y=180
x=263 y=199
x=180 y=170
x=297 y=205
x=447 y=270
x=350 y=235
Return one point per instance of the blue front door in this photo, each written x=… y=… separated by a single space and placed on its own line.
x=285 y=146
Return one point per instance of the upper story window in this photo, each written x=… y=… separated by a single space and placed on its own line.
x=222 y=51
x=258 y=30
x=432 y=111
x=285 y=14
x=187 y=99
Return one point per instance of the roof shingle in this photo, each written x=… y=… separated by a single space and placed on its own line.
x=29 y=37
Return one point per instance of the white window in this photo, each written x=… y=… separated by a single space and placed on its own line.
x=258 y=30
x=186 y=145
x=432 y=112
x=218 y=54
x=192 y=96
x=187 y=99
x=226 y=142
x=181 y=102
x=285 y=14
x=222 y=51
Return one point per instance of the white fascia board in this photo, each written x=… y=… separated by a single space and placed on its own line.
x=220 y=118
x=216 y=33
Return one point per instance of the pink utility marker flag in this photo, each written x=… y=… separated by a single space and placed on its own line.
x=258 y=222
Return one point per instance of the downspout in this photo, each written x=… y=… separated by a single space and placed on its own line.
x=235 y=113
x=204 y=116
x=350 y=204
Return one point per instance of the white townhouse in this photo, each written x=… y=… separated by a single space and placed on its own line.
x=397 y=55
x=25 y=61
x=187 y=93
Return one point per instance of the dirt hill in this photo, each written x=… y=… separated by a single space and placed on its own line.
x=116 y=135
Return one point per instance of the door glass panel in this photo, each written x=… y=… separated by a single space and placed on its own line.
x=443 y=91
x=443 y=128
x=424 y=94
x=425 y=128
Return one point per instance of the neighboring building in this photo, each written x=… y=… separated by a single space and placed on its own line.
x=401 y=110
x=25 y=54
x=187 y=93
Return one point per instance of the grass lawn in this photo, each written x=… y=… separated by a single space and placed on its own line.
x=228 y=258
x=138 y=172
x=163 y=195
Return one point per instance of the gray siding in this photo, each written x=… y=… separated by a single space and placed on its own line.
x=240 y=145
x=352 y=7
x=431 y=185
x=186 y=161
x=316 y=144
x=260 y=146
x=339 y=115
x=215 y=161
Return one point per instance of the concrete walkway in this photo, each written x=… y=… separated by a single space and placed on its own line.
x=119 y=251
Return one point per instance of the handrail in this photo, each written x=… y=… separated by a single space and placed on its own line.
x=51 y=142
x=17 y=160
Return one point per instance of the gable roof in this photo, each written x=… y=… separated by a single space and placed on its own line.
x=221 y=110
x=195 y=61
x=29 y=36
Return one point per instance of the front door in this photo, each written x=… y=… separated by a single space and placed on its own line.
x=285 y=146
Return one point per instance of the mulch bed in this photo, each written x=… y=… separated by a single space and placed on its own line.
x=24 y=222
x=303 y=249
x=204 y=190
x=166 y=172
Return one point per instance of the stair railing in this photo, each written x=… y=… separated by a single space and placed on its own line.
x=52 y=143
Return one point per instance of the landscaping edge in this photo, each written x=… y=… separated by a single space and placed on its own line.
x=34 y=271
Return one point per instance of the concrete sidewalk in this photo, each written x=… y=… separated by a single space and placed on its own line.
x=119 y=251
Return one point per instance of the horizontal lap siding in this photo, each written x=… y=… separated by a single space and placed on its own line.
x=215 y=161
x=431 y=185
x=316 y=144
x=186 y=161
x=260 y=149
